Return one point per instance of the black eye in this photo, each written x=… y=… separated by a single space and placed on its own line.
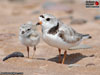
x=42 y=16
x=28 y=29
x=48 y=19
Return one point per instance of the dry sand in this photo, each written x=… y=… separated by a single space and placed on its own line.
x=85 y=61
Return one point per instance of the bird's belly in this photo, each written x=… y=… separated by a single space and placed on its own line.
x=29 y=42
x=55 y=41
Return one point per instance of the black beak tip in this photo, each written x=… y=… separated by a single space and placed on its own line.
x=23 y=32
x=38 y=23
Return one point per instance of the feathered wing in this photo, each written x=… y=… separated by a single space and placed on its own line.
x=69 y=38
x=69 y=35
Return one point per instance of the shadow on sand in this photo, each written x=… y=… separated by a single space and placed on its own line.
x=70 y=59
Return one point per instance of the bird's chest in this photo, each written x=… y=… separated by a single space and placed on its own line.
x=51 y=39
x=25 y=41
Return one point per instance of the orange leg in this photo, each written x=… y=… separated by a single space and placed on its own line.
x=64 y=57
x=59 y=55
x=34 y=51
x=28 y=51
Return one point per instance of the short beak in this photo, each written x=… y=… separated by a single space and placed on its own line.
x=39 y=23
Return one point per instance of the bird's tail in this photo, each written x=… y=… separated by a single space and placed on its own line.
x=86 y=36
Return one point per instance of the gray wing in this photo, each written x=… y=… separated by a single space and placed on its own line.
x=69 y=35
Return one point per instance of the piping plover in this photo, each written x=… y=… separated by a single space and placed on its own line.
x=29 y=36
x=57 y=34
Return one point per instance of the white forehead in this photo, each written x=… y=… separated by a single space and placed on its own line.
x=48 y=16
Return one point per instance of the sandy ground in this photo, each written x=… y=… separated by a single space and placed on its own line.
x=85 y=61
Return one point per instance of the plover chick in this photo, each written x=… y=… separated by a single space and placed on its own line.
x=29 y=36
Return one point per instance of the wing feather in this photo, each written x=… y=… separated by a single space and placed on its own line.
x=69 y=35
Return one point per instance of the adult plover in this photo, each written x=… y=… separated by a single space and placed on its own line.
x=57 y=34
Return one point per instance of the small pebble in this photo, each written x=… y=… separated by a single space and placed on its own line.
x=14 y=54
x=56 y=7
x=78 y=21
x=92 y=55
x=48 y=4
x=65 y=17
x=97 y=17
x=36 y=12
x=90 y=64
x=73 y=65
x=20 y=1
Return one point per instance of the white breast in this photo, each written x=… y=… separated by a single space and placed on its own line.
x=29 y=42
x=55 y=41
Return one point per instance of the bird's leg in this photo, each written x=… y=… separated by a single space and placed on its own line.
x=64 y=57
x=59 y=55
x=28 y=51
x=34 y=51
